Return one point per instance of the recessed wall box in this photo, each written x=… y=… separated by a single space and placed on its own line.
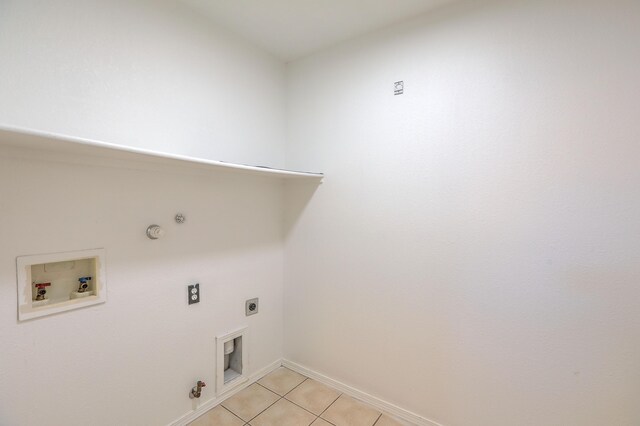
x=231 y=360
x=58 y=282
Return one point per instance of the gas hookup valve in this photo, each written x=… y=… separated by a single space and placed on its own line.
x=197 y=389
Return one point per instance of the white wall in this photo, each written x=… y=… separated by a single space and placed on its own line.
x=472 y=254
x=144 y=73
x=133 y=360
x=150 y=75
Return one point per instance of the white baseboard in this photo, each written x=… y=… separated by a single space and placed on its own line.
x=363 y=396
x=206 y=406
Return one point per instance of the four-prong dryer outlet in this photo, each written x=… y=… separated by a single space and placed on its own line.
x=251 y=306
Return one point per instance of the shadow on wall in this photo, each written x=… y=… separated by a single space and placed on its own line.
x=297 y=197
x=234 y=221
x=68 y=205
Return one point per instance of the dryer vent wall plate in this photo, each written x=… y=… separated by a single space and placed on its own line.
x=232 y=360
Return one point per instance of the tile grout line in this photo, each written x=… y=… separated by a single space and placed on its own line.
x=284 y=396
x=325 y=420
x=252 y=418
x=362 y=402
x=296 y=386
x=300 y=406
x=323 y=411
x=263 y=386
x=275 y=393
x=270 y=405
x=234 y=414
x=377 y=420
x=317 y=416
x=288 y=400
x=381 y=406
x=297 y=405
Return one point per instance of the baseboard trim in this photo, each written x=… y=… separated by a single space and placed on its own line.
x=363 y=396
x=206 y=406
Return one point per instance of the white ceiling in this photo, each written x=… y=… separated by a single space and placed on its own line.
x=294 y=28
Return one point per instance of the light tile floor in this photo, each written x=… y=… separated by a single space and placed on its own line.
x=286 y=398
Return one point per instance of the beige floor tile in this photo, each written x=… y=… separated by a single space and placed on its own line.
x=282 y=380
x=347 y=411
x=320 y=422
x=313 y=396
x=249 y=402
x=386 y=420
x=217 y=416
x=284 y=413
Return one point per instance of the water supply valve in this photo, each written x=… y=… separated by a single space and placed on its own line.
x=42 y=290
x=197 y=389
x=84 y=285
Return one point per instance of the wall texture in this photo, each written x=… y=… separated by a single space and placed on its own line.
x=133 y=360
x=145 y=73
x=473 y=253
x=151 y=75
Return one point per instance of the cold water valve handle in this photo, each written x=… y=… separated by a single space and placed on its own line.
x=83 y=286
x=197 y=389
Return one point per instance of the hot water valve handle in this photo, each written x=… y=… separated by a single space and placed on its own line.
x=41 y=290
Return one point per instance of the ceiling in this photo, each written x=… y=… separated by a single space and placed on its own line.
x=293 y=28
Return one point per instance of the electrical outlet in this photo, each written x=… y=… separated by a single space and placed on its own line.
x=194 y=293
x=251 y=306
